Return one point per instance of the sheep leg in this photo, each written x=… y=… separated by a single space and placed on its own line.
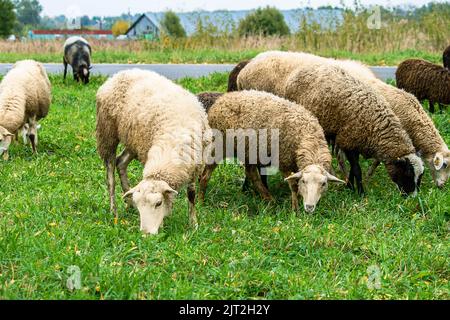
x=65 y=69
x=192 y=212
x=204 y=179
x=75 y=76
x=431 y=104
x=252 y=173
x=122 y=163
x=33 y=133
x=264 y=179
x=355 y=171
x=293 y=185
x=372 y=169
x=341 y=163
x=110 y=164
x=24 y=135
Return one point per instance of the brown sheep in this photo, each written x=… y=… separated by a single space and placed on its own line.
x=446 y=58
x=232 y=80
x=351 y=112
x=207 y=99
x=425 y=80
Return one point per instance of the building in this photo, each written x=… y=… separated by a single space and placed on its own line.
x=73 y=23
x=66 y=33
x=143 y=28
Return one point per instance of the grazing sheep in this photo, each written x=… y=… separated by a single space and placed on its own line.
x=232 y=80
x=207 y=99
x=304 y=158
x=350 y=112
x=446 y=58
x=165 y=128
x=25 y=98
x=425 y=80
x=416 y=122
x=77 y=53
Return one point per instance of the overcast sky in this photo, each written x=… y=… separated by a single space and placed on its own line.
x=116 y=7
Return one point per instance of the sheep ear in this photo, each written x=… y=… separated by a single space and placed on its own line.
x=169 y=191
x=295 y=176
x=6 y=134
x=130 y=192
x=438 y=161
x=332 y=178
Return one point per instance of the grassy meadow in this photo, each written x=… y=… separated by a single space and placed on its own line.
x=54 y=219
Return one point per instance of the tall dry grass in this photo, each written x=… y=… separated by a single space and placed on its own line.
x=427 y=33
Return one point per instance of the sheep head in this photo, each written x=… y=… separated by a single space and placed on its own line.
x=5 y=140
x=406 y=172
x=312 y=184
x=154 y=201
x=84 y=72
x=439 y=165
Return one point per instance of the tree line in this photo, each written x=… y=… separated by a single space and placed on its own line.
x=19 y=16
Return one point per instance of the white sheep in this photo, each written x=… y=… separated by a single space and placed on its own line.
x=25 y=98
x=165 y=128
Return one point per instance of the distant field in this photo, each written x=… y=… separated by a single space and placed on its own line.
x=140 y=52
x=55 y=219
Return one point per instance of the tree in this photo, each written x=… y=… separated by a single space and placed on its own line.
x=85 y=21
x=7 y=18
x=120 y=27
x=172 y=26
x=264 y=21
x=28 y=12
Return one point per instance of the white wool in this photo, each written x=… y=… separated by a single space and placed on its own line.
x=24 y=91
x=181 y=124
x=72 y=40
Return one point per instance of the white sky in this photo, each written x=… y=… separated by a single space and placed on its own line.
x=116 y=7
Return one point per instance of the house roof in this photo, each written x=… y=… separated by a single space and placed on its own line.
x=71 y=32
x=145 y=15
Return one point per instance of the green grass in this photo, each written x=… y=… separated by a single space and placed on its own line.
x=217 y=56
x=54 y=214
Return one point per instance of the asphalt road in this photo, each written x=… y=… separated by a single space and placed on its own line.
x=176 y=71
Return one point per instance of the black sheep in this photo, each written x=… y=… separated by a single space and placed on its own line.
x=77 y=53
x=425 y=80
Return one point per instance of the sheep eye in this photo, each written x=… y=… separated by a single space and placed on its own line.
x=158 y=204
x=324 y=184
x=445 y=165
